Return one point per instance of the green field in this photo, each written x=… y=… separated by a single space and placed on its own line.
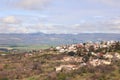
x=27 y=47
x=31 y=47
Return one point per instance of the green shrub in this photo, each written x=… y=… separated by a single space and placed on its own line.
x=32 y=78
x=61 y=76
x=4 y=79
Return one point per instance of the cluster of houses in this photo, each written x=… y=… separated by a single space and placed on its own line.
x=90 y=53
x=104 y=46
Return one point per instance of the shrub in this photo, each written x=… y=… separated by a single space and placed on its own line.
x=61 y=76
x=4 y=79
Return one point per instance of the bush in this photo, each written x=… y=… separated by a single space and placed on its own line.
x=32 y=78
x=4 y=79
x=61 y=76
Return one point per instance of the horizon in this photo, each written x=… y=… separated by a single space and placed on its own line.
x=59 y=16
x=59 y=33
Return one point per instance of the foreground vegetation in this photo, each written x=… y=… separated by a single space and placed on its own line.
x=41 y=66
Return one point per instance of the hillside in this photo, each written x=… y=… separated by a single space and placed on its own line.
x=87 y=61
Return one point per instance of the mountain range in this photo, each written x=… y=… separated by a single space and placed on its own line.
x=54 y=39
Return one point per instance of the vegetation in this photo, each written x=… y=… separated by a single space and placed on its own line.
x=40 y=66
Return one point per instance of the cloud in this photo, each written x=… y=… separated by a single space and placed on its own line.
x=47 y=28
x=22 y=19
x=33 y=4
x=10 y=20
x=27 y=24
x=113 y=3
x=6 y=28
x=58 y=29
x=26 y=4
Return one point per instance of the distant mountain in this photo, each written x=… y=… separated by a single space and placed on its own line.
x=54 y=39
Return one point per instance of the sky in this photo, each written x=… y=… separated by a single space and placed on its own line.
x=60 y=16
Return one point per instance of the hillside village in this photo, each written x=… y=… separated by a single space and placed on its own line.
x=94 y=54
x=82 y=61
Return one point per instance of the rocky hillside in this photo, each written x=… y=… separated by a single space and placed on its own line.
x=84 y=61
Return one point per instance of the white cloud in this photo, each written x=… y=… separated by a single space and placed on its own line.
x=27 y=4
x=46 y=28
x=6 y=28
x=10 y=20
x=113 y=3
x=24 y=4
x=15 y=24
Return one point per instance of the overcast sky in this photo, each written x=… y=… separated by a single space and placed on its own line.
x=60 y=16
